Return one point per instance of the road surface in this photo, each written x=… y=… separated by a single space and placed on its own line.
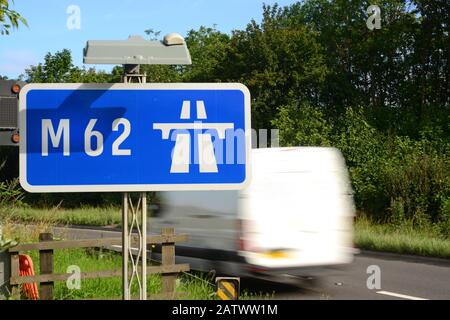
x=402 y=277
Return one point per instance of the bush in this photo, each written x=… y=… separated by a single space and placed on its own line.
x=11 y=193
x=395 y=179
x=73 y=200
x=418 y=176
x=302 y=125
x=444 y=222
x=362 y=147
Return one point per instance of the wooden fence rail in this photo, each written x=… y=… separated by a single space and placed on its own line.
x=168 y=269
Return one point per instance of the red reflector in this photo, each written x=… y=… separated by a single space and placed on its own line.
x=15 y=88
x=256 y=269
x=241 y=244
x=15 y=138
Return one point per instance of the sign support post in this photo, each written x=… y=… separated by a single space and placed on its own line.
x=134 y=217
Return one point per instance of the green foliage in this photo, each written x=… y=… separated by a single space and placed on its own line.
x=397 y=208
x=405 y=238
x=161 y=73
x=73 y=200
x=418 y=177
x=399 y=66
x=59 y=67
x=302 y=125
x=106 y=216
x=278 y=62
x=153 y=34
x=444 y=222
x=5 y=243
x=360 y=144
x=11 y=193
x=208 y=48
x=89 y=260
x=9 y=163
x=56 y=68
x=9 y=19
x=394 y=177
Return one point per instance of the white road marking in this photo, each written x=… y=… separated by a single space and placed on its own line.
x=206 y=152
x=398 y=295
x=186 y=110
x=201 y=112
x=181 y=154
x=167 y=127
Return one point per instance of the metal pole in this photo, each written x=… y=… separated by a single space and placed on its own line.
x=125 y=247
x=138 y=221
x=144 y=245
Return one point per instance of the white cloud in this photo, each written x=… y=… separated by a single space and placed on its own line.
x=13 y=62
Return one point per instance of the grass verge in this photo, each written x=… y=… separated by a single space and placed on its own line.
x=110 y=216
x=404 y=238
x=111 y=288
x=190 y=286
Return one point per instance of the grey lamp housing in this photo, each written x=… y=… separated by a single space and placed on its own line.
x=136 y=50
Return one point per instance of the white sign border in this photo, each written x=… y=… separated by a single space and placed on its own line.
x=130 y=187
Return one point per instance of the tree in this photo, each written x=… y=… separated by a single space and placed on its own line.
x=302 y=125
x=58 y=67
x=429 y=84
x=153 y=34
x=398 y=73
x=280 y=63
x=207 y=47
x=9 y=18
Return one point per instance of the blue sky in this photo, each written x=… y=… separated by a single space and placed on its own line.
x=113 y=19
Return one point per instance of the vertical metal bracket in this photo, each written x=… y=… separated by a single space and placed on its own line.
x=134 y=226
x=134 y=218
x=131 y=74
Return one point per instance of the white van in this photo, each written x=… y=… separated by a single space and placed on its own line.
x=297 y=213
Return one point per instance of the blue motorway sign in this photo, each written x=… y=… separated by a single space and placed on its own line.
x=134 y=137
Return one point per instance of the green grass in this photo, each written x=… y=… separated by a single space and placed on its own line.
x=111 y=288
x=82 y=216
x=189 y=285
x=404 y=238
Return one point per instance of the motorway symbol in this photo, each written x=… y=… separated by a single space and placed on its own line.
x=181 y=155
x=134 y=137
